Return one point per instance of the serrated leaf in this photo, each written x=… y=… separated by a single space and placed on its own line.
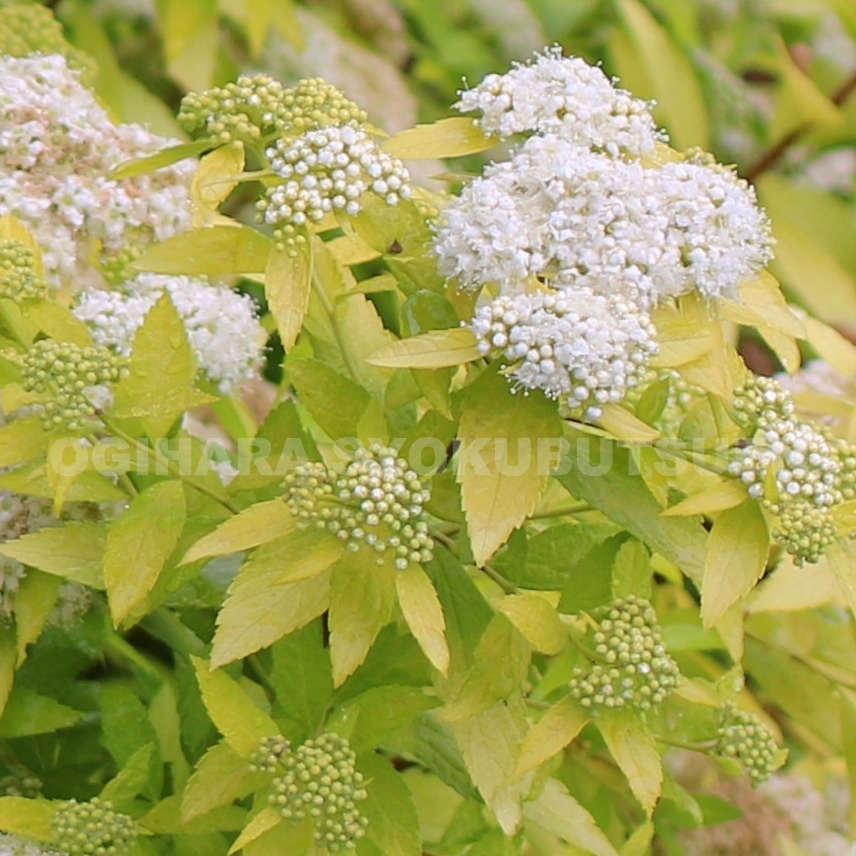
x=257 y=524
x=623 y=425
x=236 y=716
x=208 y=251
x=632 y=746
x=30 y=818
x=215 y=178
x=288 y=281
x=221 y=776
x=536 y=620
x=58 y=322
x=74 y=551
x=721 y=496
x=165 y=157
x=556 y=729
x=297 y=555
x=131 y=779
x=424 y=615
x=498 y=465
x=362 y=593
x=392 y=821
x=294 y=838
x=139 y=543
x=263 y=822
x=737 y=554
x=447 y=138
x=558 y=812
x=28 y=713
x=433 y=350
x=34 y=601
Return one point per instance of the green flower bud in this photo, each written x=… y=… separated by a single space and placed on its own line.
x=741 y=736
x=18 y=277
x=92 y=829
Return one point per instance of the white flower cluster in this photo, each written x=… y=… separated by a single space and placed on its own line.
x=329 y=169
x=565 y=96
x=221 y=324
x=13 y=845
x=584 y=347
x=57 y=150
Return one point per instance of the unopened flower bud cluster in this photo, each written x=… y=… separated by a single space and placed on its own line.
x=92 y=829
x=376 y=503
x=18 y=277
x=268 y=758
x=632 y=668
x=798 y=471
x=586 y=348
x=315 y=103
x=324 y=170
x=69 y=376
x=742 y=737
x=321 y=781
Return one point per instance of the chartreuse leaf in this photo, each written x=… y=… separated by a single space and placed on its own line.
x=737 y=555
x=221 y=776
x=22 y=441
x=297 y=555
x=165 y=157
x=447 y=138
x=424 y=615
x=8 y=662
x=392 y=822
x=632 y=746
x=74 y=551
x=268 y=818
x=256 y=524
x=190 y=38
x=832 y=347
x=843 y=564
x=139 y=543
x=57 y=321
x=499 y=473
x=131 y=779
x=489 y=742
x=236 y=716
x=30 y=818
x=34 y=601
x=288 y=281
x=160 y=386
x=293 y=838
x=556 y=729
x=763 y=305
x=558 y=812
x=29 y=713
x=434 y=350
x=215 y=178
x=537 y=621
x=362 y=593
x=623 y=425
x=725 y=494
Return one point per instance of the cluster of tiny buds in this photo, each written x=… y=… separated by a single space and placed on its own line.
x=18 y=277
x=70 y=376
x=321 y=781
x=631 y=667
x=92 y=829
x=314 y=103
x=798 y=471
x=376 y=502
x=742 y=737
x=326 y=170
x=268 y=757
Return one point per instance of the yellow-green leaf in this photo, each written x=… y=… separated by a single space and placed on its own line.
x=22 y=441
x=556 y=729
x=838 y=351
x=724 y=495
x=215 y=178
x=30 y=818
x=434 y=350
x=623 y=425
x=424 y=615
x=190 y=37
x=263 y=822
x=58 y=322
x=843 y=564
x=220 y=777
x=209 y=251
x=288 y=280
x=165 y=157
x=500 y=470
x=34 y=601
x=447 y=138
x=737 y=555
x=632 y=746
x=255 y=525
x=537 y=621
x=238 y=719
x=139 y=543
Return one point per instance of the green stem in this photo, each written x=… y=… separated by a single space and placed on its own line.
x=561 y=511
x=704 y=746
x=506 y=585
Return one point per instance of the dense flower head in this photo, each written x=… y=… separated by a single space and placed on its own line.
x=328 y=169
x=631 y=668
x=554 y=94
x=222 y=326
x=13 y=845
x=92 y=829
x=315 y=103
x=584 y=348
x=321 y=781
x=58 y=148
x=268 y=757
x=69 y=376
x=19 y=279
x=375 y=503
x=742 y=736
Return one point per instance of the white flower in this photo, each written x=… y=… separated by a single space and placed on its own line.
x=585 y=348
x=564 y=96
x=221 y=324
x=12 y=845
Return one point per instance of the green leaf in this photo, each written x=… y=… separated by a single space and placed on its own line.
x=631 y=572
x=268 y=818
x=737 y=556
x=74 y=551
x=556 y=729
x=131 y=779
x=209 y=251
x=221 y=776
x=424 y=615
x=297 y=555
x=632 y=746
x=293 y=838
x=446 y=138
x=434 y=350
x=236 y=716
x=393 y=826
x=58 y=322
x=190 y=36
x=288 y=281
x=558 y=812
x=165 y=157
x=22 y=441
x=34 y=601
x=252 y=526
x=589 y=581
x=139 y=543
x=215 y=178
x=362 y=593
x=29 y=713
x=725 y=494
x=537 y=621
x=160 y=386
x=499 y=465
x=30 y=818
